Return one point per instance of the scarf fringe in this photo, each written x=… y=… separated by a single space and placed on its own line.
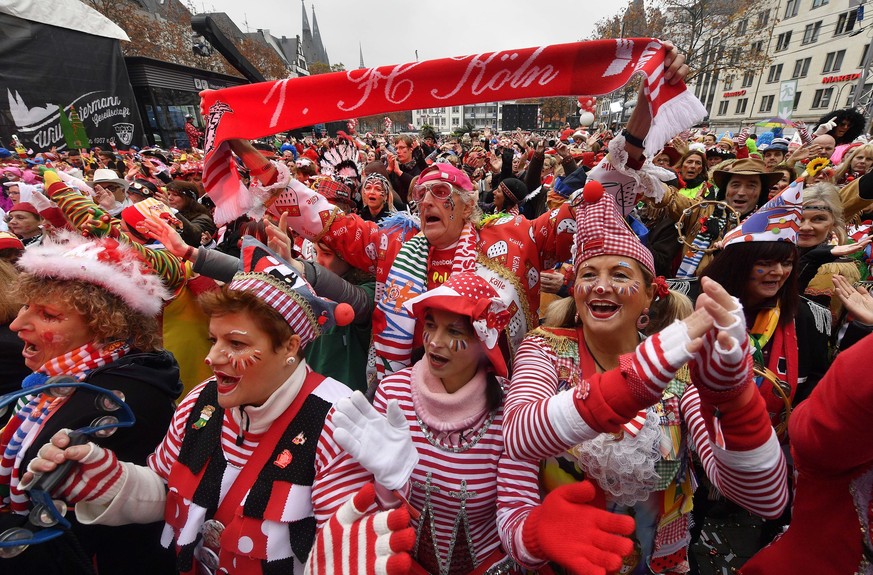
x=681 y=111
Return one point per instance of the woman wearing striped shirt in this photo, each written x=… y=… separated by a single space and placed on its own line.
x=591 y=400
x=434 y=439
x=249 y=467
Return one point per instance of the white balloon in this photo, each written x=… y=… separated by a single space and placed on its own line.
x=586 y=119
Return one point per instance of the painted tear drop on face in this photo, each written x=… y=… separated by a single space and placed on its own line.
x=457 y=344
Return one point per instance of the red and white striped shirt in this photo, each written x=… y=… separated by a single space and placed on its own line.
x=500 y=492
x=542 y=422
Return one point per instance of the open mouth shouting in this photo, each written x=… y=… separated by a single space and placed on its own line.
x=226 y=383
x=601 y=309
x=437 y=361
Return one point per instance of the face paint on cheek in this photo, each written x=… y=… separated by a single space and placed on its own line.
x=449 y=204
x=241 y=361
x=759 y=271
x=457 y=344
x=581 y=289
x=426 y=337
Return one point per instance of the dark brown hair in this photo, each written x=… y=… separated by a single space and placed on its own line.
x=732 y=268
x=225 y=301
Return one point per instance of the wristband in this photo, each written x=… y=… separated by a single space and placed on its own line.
x=632 y=140
x=260 y=171
x=189 y=254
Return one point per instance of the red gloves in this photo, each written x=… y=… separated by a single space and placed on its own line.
x=367 y=543
x=580 y=536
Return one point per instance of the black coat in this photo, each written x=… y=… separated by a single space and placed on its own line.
x=150 y=384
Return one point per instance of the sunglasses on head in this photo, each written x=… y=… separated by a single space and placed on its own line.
x=439 y=190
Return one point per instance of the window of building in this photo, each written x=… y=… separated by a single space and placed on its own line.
x=741 y=106
x=742 y=26
x=763 y=18
x=864 y=55
x=833 y=61
x=456 y=121
x=722 y=107
x=846 y=22
x=757 y=47
x=796 y=101
x=810 y=33
x=766 y=103
x=729 y=82
x=783 y=41
x=791 y=8
x=748 y=78
x=775 y=73
x=820 y=3
x=851 y=94
x=735 y=55
x=456 y=109
x=801 y=68
x=822 y=98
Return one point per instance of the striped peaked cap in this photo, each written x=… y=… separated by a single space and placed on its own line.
x=266 y=275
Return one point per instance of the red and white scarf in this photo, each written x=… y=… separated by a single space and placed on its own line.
x=22 y=429
x=587 y=68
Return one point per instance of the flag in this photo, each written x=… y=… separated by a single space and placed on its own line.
x=73 y=130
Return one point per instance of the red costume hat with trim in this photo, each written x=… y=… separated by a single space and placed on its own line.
x=446 y=173
x=600 y=230
x=470 y=295
x=8 y=240
x=104 y=262
x=266 y=275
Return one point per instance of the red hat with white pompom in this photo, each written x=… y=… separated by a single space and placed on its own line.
x=117 y=268
x=266 y=275
x=602 y=231
x=471 y=295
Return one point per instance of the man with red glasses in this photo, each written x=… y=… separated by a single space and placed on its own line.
x=507 y=250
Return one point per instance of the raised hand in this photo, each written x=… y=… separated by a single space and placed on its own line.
x=163 y=232
x=857 y=300
x=382 y=540
x=571 y=529
x=382 y=444
x=849 y=249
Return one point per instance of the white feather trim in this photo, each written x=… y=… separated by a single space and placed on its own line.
x=69 y=256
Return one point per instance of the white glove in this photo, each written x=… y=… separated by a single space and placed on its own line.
x=382 y=444
x=826 y=127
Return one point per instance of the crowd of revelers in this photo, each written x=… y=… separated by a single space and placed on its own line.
x=447 y=355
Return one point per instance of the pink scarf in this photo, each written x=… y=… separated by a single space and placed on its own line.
x=590 y=68
x=450 y=416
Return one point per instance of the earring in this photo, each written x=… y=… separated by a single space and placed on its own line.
x=577 y=318
x=290 y=361
x=643 y=320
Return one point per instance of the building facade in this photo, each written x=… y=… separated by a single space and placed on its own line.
x=812 y=63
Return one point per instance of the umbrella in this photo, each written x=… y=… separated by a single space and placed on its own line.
x=775 y=122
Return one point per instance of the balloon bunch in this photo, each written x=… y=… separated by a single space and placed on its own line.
x=587 y=105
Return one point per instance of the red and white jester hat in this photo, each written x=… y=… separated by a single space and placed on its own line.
x=601 y=230
x=470 y=295
x=266 y=275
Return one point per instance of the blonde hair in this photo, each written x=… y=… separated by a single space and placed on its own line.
x=10 y=302
x=846 y=164
x=666 y=310
x=108 y=317
x=828 y=194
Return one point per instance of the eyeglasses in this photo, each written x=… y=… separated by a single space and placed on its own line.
x=439 y=190
x=46 y=517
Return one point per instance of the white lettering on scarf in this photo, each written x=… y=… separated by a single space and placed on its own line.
x=483 y=79
x=397 y=90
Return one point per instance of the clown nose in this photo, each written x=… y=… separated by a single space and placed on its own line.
x=343 y=314
x=592 y=192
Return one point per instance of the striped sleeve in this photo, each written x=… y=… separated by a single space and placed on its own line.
x=517 y=495
x=76 y=208
x=755 y=478
x=539 y=421
x=162 y=460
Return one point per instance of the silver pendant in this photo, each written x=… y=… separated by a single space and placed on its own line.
x=208 y=561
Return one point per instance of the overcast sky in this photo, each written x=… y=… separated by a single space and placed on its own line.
x=390 y=31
